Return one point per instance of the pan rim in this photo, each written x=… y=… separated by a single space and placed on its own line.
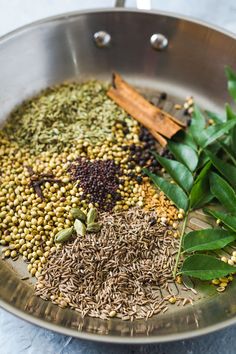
x=71 y=14
x=86 y=335
x=102 y=338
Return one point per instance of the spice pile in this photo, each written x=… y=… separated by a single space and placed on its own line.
x=73 y=147
x=120 y=271
x=99 y=181
x=63 y=114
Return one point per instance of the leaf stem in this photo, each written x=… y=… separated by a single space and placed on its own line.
x=200 y=151
x=233 y=159
x=180 y=244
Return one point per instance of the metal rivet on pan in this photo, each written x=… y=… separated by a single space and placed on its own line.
x=102 y=39
x=159 y=41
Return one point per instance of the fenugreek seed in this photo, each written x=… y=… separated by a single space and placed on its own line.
x=230 y=262
x=172 y=300
x=224 y=279
x=220 y=289
x=186 y=105
x=63 y=303
x=179 y=279
x=190 y=110
x=163 y=219
x=175 y=225
x=177 y=106
x=112 y=313
x=223 y=284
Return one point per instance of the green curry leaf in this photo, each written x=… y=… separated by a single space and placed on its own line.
x=208 y=239
x=205 y=267
x=215 y=117
x=185 y=154
x=229 y=112
x=225 y=168
x=197 y=124
x=185 y=138
x=210 y=134
x=200 y=194
x=180 y=174
x=223 y=192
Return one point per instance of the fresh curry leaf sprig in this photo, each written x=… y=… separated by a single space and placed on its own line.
x=204 y=169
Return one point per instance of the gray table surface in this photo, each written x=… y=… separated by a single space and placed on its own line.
x=18 y=336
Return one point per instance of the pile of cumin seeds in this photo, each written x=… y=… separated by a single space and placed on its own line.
x=119 y=272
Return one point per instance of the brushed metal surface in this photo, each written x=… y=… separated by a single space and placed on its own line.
x=63 y=48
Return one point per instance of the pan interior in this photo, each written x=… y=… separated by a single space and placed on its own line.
x=63 y=49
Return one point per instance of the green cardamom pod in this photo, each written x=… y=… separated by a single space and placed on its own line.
x=64 y=235
x=92 y=215
x=78 y=214
x=80 y=228
x=94 y=227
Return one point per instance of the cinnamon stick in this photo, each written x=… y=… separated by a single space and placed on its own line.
x=153 y=118
x=161 y=140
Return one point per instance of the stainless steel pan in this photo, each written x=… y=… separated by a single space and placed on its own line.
x=71 y=47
